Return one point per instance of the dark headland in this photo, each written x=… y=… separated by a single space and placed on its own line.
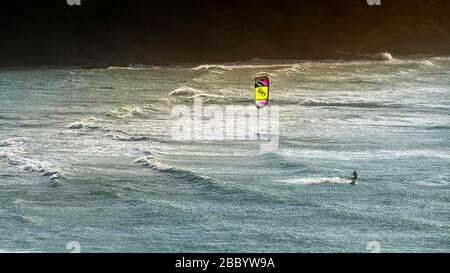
x=116 y=32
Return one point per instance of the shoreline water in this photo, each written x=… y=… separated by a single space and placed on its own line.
x=341 y=57
x=126 y=185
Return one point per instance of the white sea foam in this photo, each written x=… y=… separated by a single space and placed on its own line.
x=207 y=96
x=135 y=67
x=345 y=103
x=427 y=63
x=124 y=113
x=316 y=180
x=211 y=66
x=363 y=155
x=16 y=155
x=128 y=138
x=301 y=66
x=251 y=64
x=153 y=163
x=31 y=165
x=5 y=143
x=296 y=68
x=5 y=251
x=189 y=93
x=90 y=123
x=382 y=56
x=184 y=91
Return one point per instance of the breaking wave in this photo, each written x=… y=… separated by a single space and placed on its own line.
x=212 y=185
x=128 y=138
x=211 y=66
x=123 y=113
x=184 y=91
x=90 y=123
x=153 y=163
x=15 y=155
x=380 y=56
x=189 y=93
x=135 y=67
x=5 y=143
x=362 y=104
x=250 y=64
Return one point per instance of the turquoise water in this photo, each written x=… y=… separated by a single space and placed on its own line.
x=86 y=155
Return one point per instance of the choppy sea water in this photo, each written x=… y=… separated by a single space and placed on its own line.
x=86 y=155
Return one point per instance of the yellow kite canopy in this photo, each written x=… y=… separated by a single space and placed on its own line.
x=262 y=90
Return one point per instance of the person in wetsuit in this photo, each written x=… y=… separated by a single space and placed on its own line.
x=355 y=177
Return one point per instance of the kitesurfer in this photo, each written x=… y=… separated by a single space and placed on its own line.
x=355 y=177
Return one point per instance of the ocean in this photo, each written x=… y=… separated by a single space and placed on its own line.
x=88 y=162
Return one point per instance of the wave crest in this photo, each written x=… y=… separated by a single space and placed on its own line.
x=184 y=91
x=380 y=56
x=90 y=123
x=15 y=155
x=123 y=113
x=189 y=94
x=128 y=138
x=134 y=67
x=153 y=163
x=356 y=104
